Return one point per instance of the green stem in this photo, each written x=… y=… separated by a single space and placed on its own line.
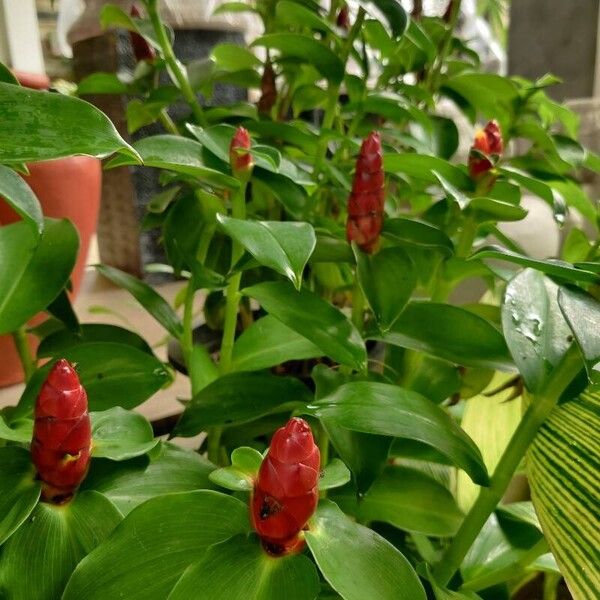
x=541 y=406
x=175 y=69
x=214 y=445
x=22 y=345
x=466 y=238
x=358 y=307
x=167 y=122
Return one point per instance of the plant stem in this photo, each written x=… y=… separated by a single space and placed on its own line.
x=22 y=345
x=175 y=69
x=167 y=122
x=466 y=238
x=541 y=406
x=358 y=306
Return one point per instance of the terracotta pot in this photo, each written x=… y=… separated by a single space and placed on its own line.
x=66 y=188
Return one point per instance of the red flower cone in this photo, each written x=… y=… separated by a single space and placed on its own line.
x=486 y=149
x=240 y=158
x=365 y=204
x=62 y=434
x=343 y=18
x=286 y=490
x=142 y=50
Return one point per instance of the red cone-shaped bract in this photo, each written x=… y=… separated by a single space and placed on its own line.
x=343 y=18
x=62 y=434
x=286 y=490
x=142 y=50
x=268 y=89
x=365 y=205
x=239 y=157
x=485 y=151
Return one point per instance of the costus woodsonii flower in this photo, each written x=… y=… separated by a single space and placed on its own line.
x=343 y=18
x=486 y=150
x=240 y=158
x=286 y=490
x=366 y=201
x=62 y=434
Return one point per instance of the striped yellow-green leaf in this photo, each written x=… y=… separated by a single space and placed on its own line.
x=563 y=471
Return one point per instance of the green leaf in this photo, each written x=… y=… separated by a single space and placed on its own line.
x=267 y=343
x=178 y=154
x=291 y=195
x=535 y=329
x=306 y=49
x=239 y=569
x=19 y=430
x=376 y=272
x=245 y=463
x=19 y=196
x=449 y=332
x=314 y=318
x=357 y=562
x=113 y=15
x=33 y=269
x=576 y=246
x=154 y=545
x=233 y=57
x=553 y=267
x=392 y=12
x=19 y=490
x=537 y=187
x=562 y=469
x=62 y=309
x=490 y=209
x=295 y=15
x=151 y=300
x=424 y=168
x=240 y=397
x=120 y=434
x=384 y=409
x=283 y=247
x=166 y=469
x=37 y=125
x=582 y=312
x=412 y=232
x=334 y=475
x=6 y=75
x=101 y=83
x=37 y=560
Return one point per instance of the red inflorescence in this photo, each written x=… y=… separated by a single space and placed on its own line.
x=485 y=151
x=62 y=434
x=343 y=18
x=286 y=490
x=365 y=205
x=240 y=158
x=142 y=50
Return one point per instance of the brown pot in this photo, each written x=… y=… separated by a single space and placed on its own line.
x=66 y=188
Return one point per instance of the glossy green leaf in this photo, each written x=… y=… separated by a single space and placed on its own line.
x=19 y=430
x=536 y=186
x=295 y=15
x=38 y=125
x=449 y=332
x=38 y=559
x=33 y=269
x=233 y=57
x=62 y=309
x=151 y=300
x=291 y=195
x=357 y=562
x=333 y=475
x=314 y=318
x=576 y=246
x=165 y=469
x=19 y=196
x=384 y=409
x=535 y=329
x=239 y=569
x=154 y=545
x=331 y=249
x=101 y=83
x=392 y=12
x=490 y=209
x=245 y=463
x=7 y=76
x=387 y=280
x=423 y=168
x=113 y=15
x=562 y=470
x=267 y=343
x=283 y=247
x=19 y=491
x=120 y=434
x=240 y=397
x=307 y=49
x=582 y=312
x=417 y=233
x=178 y=154
x=553 y=267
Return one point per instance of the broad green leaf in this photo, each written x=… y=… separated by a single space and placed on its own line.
x=410 y=500
x=283 y=247
x=62 y=309
x=7 y=76
x=33 y=269
x=449 y=332
x=233 y=57
x=582 y=312
x=19 y=430
x=334 y=475
x=239 y=569
x=357 y=562
x=38 y=125
x=490 y=209
x=454 y=194
x=307 y=49
x=392 y=12
x=295 y=15
x=423 y=168
x=535 y=329
x=101 y=83
x=384 y=409
x=19 y=196
x=19 y=490
x=245 y=463
x=550 y=266
x=562 y=470
x=292 y=196
x=178 y=154
x=165 y=469
x=417 y=233
x=536 y=186
x=120 y=434
x=387 y=280
x=312 y=317
x=154 y=545
x=151 y=300
x=113 y=15
x=576 y=246
x=38 y=559
x=267 y=343
x=240 y=397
